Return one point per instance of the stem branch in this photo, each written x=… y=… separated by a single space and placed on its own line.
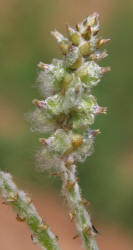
x=26 y=211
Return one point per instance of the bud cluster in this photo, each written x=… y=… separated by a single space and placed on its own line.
x=67 y=111
x=68 y=108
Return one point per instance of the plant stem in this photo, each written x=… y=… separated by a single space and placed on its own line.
x=72 y=193
x=26 y=211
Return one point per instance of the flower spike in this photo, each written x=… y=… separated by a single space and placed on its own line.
x=68 y=112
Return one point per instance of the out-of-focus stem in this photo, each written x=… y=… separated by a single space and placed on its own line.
x=26 y=211
x=72 y=193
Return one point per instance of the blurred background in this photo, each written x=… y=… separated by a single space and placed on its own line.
x=106 y=177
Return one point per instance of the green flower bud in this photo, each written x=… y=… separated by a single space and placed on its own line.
x=90 y=73
x=74 y=36
x=73 y=58
x=68 y=77
x=42 y=122
x=50 y=78
x=60 y=142
x=86 y=34
x=54 y=105
x=63 y=42
x=102 y=42
x=98 y=55
x=85 y=49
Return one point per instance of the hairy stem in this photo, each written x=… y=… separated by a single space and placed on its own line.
x=72 y=193
x=26 y=211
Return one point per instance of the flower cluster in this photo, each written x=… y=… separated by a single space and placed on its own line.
x=68 y=108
